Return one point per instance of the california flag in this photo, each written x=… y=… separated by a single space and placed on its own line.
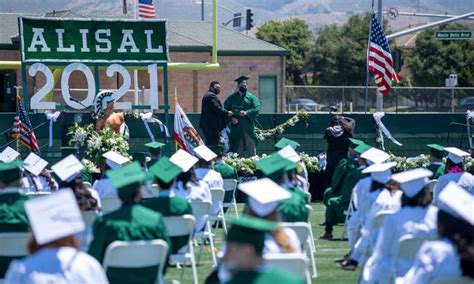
x=184 y=133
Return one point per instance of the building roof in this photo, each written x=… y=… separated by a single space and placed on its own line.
x=182 y=36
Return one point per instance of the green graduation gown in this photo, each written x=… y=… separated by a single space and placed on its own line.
x=12 y=219
x=336 y=204
x=170 y=206
x=293 y=209
x=437 y=169
x=130 y=222
x=248 y=103
x=271 y=276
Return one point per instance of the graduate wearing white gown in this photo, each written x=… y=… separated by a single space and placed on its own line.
x=104 y=188
x=415 y=220
x=455 y=172
x=55 y=258
x=440 y=259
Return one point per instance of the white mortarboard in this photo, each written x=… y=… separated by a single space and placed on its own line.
x=184 y=160
x=264 y=195
x=290 y=154
x=34 y=164
x=457 y=202
x=380 y=172
x=54 y=216
x=9 y=155
x=204 y=153
x=68 y=168
x=412 y=181
x=375 y=156
x=114 y=160
x=456 y=155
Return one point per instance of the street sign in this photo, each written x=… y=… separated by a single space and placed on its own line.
x=453 y=35
x=393 y=13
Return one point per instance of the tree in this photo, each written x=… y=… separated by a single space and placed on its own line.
x=433 y=60
x=295 y=36
x=339 y=56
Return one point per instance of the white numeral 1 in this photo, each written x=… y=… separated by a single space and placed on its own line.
x=152 y=71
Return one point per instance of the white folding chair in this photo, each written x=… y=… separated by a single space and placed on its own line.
x=150 y=191
x=293 y=263
x=137 y=254
x=408 y=246
x=348 y=213
x=13 y=245
x=110 y=203
x=308 y=196
x=230 y=185
x=178 y=226
x=377 y=223
x=217 y=195
x=202 y=209
x=456 y=280
x=303 y=231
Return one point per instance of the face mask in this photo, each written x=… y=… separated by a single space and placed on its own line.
x=217 y=91
x=243 y=89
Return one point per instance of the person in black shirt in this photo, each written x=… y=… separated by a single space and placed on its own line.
x=213 y=115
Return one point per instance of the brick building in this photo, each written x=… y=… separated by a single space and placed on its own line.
x=262 y=62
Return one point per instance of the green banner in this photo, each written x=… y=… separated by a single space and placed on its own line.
x=90 y=40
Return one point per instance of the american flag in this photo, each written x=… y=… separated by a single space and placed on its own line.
x=380 y=58
x=22 y=129
x=146 y=9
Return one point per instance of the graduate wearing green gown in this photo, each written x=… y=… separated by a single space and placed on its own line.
x=226 y=171
x=275 y=167
x=243 y=260
x=155 y=152
x=165 y=173
x=245 y=107
x=337 y=197
x=12 y=211
x=436 y=165
x=131 y=222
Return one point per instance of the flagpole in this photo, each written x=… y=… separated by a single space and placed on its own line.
x=135 y=71
x=175 y=102
x=17 y=101
x=367 y=78
x=379 y=100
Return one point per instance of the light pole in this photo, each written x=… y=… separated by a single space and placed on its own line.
x=202 y=10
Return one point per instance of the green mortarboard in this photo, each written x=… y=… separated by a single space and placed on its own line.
x=66 y=151
x=361 y=148
x=154 y=147
x=241 y=79
x=10 y=172
x=140 y=156
x=250 y=230
x=283 y=142
x=165 y=170
x=436 y=150
x=355 y=142
x=218 y=149
x=126 y=179
x=273 y=164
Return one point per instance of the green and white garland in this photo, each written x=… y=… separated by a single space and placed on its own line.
x=263 y=134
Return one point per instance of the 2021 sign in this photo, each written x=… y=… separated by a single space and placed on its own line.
x=78 y=42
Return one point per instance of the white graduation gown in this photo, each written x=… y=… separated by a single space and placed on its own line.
x=354 y=223
x=105 y=188
x=56 y=265
x=213 y=180
x=198 y=191
x=385 y=202
x=33 y=183
x=464 y=180
x=416 y=221
x=435 y=260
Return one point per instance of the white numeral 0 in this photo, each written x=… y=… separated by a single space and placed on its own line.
x=36 y=100
x=117 y=68
x=90 y=85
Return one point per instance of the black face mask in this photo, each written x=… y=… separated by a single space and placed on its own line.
x=243 y=89
x=216 y=91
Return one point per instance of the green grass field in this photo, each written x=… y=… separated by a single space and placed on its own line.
x=326 y=253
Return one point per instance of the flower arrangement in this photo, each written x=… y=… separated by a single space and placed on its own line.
x=90 y=165
x=281 y=128
x=247 y=166
x=404 y=163
x=97 y=142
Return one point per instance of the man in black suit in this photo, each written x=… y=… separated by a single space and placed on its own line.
x=213 y=115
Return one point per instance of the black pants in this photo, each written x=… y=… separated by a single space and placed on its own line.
x=211 y=136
